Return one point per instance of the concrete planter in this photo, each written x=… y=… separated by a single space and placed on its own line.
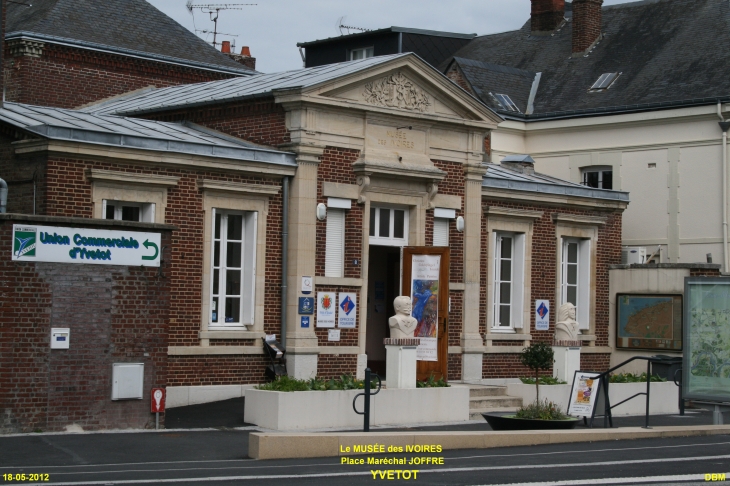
x=325 y=409
x=664 y=396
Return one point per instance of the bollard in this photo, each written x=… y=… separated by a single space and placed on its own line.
x=366 y=412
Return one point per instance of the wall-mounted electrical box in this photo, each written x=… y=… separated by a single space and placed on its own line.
x=60 y=337
x=127 y=381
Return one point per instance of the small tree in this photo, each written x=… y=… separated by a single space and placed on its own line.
x=539 y=356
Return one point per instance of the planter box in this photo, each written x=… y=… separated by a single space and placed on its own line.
x=664 y=397
x=325 y=409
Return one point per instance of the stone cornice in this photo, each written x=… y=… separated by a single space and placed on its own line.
x=131 y=177
x=512 y=213
x=579 y=219
x=238 y=187
x=554 y=200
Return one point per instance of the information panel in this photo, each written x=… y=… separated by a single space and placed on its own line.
x=706 y=360
x=424 y=299
x=33 y=243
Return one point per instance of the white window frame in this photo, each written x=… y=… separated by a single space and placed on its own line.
x=389 y=240
x=334 y=265
x=517 y=281
x=364 y=50
x=146 y=210
x=247 y=296
x=601 y=170
x=583 y=292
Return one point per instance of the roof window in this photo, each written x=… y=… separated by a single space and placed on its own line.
x=506 y=102
x=604 y=82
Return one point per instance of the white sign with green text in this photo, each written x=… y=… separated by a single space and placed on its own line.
x=32 y=243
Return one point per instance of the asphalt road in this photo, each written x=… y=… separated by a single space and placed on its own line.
x=219 y=456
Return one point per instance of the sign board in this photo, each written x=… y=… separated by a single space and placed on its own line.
x=346 y=310
x=542 y=315
x=305 y=321
x=649 y=322
x=306 y=306
x=33 y=243
x=333 y=335
x=157 y=404
x=326 y=308
x=425 y=271
x=583 y=394
x=307 y=285
x=706 y=339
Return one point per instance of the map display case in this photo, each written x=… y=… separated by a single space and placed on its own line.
x=706 y=363
x=649 y=321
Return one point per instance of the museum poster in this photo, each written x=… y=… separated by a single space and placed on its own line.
x=583 y=394
x=707 y=339
x=424 y=301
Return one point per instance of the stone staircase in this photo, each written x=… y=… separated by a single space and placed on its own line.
x=486 y=398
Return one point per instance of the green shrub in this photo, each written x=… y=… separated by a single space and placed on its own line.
x=288 y=384
x=544 y=380
x=544 y=410
x=432 y=383
x=285 y=384
x=633 y=378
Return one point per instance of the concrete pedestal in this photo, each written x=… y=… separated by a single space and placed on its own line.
x=567 y=362
x=400 y=364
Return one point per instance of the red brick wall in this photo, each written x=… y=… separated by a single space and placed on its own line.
x=587 y=18
x=80 y=76
x=259 y=121
x=546 y=15
x=544 y=278
x=457 y=76
x=704 y=272
x=116 y=314
x=216 y=370
x=348 y=337
x=334 y=365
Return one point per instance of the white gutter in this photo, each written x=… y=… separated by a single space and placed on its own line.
x=724 y=125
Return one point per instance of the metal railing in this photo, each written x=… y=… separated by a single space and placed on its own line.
x=367 y=395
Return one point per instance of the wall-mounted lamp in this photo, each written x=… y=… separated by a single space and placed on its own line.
x=321 y=211
x=409 y=127
x=460 y=224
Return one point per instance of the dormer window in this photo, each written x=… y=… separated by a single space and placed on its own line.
x=604 y=82
x=506 y=102
x=362 y=53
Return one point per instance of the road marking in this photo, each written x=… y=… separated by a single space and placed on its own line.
x=648 y=479
x=367 y=473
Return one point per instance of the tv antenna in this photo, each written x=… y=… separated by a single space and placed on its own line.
x=213 y=9
x=341 y=25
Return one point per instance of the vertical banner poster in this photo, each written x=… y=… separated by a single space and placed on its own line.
x=326 y=307
x=346 y=310
x=542 y=315
x=583 y=394
x=424 y=303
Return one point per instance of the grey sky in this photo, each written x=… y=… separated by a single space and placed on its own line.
x=273 y=27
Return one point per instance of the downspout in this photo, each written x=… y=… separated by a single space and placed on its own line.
x=284 y=255
x=3 y=196
x=724 y=125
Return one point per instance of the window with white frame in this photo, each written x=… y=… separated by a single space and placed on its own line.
x=509 y=274
x=233 y=268
x=388 y=226
x=575 y=277
x=598 y=177
x=129 y=211
x=334 y=265
x=362 y=53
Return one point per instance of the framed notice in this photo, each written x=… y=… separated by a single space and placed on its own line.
x=583 y=394
x=649 y=321
x=326 y=309
x=347 y=310
x=706 y=359
x=425 y=271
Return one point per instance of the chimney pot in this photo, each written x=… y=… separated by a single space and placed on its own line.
x=245 y=51
x=226 y=47
x=587 y=20
x=546 y=15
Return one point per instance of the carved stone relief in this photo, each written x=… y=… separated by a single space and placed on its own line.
x=396 y=91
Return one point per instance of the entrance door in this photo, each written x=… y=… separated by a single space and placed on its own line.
x=383 y=286
x=426 y=281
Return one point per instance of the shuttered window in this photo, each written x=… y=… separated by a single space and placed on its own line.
x=440 y=232
x=334 y=265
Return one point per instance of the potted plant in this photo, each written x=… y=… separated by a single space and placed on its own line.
x=537 y=415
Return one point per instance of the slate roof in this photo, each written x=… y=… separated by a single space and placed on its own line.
x=500 y=177
x=232 y=89
x=489 y=79
x=132 y=27
x=109 y=130
x=669 y=53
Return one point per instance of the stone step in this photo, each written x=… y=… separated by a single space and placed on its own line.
x=487 y=391
x=476 y=414
x=494 y=402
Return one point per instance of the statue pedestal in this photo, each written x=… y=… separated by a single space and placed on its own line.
x=567 y=360
x=400 y=364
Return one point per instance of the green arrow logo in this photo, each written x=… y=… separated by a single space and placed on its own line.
x=147 y=245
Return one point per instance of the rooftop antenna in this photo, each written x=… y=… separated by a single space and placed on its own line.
x=213 y=9
x=341 y=25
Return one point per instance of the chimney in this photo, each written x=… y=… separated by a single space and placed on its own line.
x=244 y=58
x=587 y=18
x=226 y=47
x=524 y=164
x=546 y=15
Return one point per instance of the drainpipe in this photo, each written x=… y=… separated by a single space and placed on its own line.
x=724 y=125
x=284 y=255
x=3 y=196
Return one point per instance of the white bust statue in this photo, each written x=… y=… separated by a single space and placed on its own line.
x=566 y=329
x=402 y=325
